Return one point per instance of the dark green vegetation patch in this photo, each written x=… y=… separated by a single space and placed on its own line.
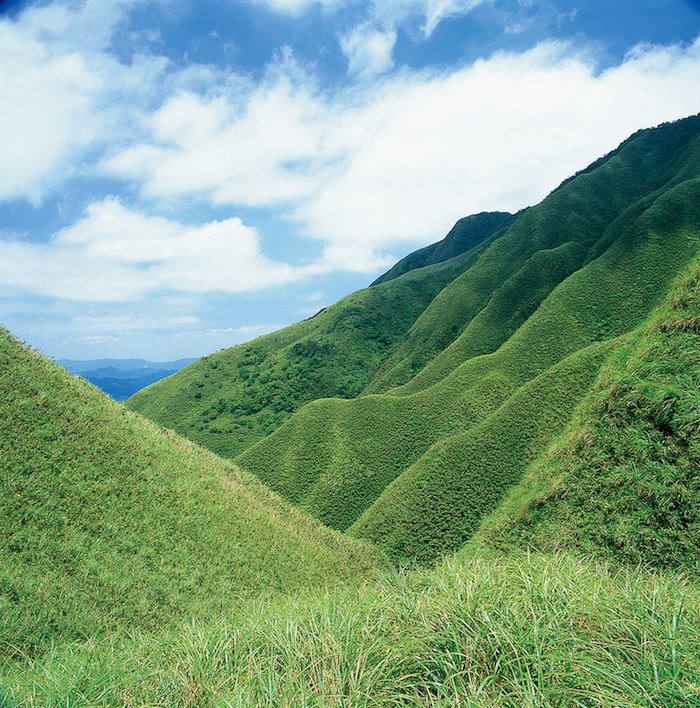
x=230 y=400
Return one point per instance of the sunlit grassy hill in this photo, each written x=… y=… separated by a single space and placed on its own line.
x=230 y=400
x=550 y=451
x=416 y=469
x=108 y=522
x=494 y=631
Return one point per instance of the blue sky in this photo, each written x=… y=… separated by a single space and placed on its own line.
x=181 y=176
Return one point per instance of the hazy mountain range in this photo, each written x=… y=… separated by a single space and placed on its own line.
x=121 y=378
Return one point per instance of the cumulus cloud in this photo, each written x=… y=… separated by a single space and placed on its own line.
x=388 y=162
x=368 y=50
x=115 y=254
x=65 y=95
x=265 y=151
x=47 y=110
x=183 y=320
x=399 y=160
x=435 y=11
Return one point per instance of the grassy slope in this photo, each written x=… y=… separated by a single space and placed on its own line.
x=229 y=400
x=623 y=481
x=520 y=632
x=484 y=306
x=524 y=630
x=107 y=521
x=415 y=473
x=464 y=235
x=436 y=503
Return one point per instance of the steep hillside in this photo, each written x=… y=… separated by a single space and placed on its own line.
x=464 y=235
x=415 y=471
x=624 y=479
x=484 y=306
x=230 y=400
x=107 y=521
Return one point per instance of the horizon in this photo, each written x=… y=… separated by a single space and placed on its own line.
x=182 y=178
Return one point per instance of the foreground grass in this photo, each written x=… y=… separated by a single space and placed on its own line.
x=524 y=631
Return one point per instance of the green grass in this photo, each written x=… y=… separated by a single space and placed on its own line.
x=416 y=328
x=623 y=479
x=576 y=224
x=107 y=522
x=526 y=631
x=230 y=400
x=464 y=235
x=416 y=469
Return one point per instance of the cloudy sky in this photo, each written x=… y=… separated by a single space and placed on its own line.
x=177 y=176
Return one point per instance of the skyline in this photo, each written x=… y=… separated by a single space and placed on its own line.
x=177 y=181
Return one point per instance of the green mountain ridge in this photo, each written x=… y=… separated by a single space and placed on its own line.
x=489 y=368
x=622 y=480
x=464 y=235
x=403 y=461
x=229 y=400
x=478 y=629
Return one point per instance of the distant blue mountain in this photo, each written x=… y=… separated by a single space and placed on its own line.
x=121 y=378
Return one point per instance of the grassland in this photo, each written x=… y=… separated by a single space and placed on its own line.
x=536 y=486
x=414 y=470
x=107 y=522
x=520 y=632
x=230 y=400
x=574 y=226
x=622 y=481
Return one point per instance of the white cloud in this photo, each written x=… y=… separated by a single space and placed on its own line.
x=437 y=10
x=63 y=93
x=387 y=12
x=368 y=50
x=183 y=320
x=96 y=339
x=402 y=159
x=117 y=254
x=257 y=153
x=47 y=110
x=296 y=7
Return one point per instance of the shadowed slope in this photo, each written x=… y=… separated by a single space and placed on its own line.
x=463 y=236
x=107 y=521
